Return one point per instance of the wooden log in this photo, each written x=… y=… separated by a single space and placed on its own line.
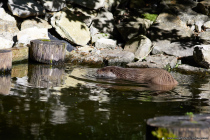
x=5 y=61
x=46 y=76
x=47 y=51
x=179 y=127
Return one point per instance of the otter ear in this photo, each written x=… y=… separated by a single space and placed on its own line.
x=111 y=70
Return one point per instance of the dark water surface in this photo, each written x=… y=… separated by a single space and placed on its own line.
x=41 y=102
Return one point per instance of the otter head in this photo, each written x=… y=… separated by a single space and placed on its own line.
x=108 y=72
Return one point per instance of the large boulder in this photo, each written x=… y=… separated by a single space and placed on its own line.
x=25 y=36
x=204 y=37
x=5 y=43
x=25 y=8
x=71 y=27
x=89 y=3
x=171 y=36
x=54 y=5
x=139 y=45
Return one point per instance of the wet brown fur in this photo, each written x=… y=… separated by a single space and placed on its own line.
x=142 y=75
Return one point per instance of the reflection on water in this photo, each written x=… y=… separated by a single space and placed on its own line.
x=45 y=102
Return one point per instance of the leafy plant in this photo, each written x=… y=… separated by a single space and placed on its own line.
x=151 y=17
x=163 y=133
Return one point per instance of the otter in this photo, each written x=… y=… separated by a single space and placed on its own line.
x=142 y=75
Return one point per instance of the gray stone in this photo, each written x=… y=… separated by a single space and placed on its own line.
x=35 y=22
x=25 y=8
x=104 y=22
x=188 y=68
x=54 y=5
x=204 y=37
x=156 y=61
x=203 y=7
x=178 y=49
x=98 y=36
x=140 y=46
x=96 y=56
x=201 y=55
x=71 y=27
x=105 y=43
x=89 y=3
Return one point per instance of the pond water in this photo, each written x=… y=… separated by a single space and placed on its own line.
x=43 y=102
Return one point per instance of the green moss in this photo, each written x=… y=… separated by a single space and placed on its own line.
x=151 y=17
x=45 y=39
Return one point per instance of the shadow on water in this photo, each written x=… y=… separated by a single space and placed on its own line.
x=45 y=102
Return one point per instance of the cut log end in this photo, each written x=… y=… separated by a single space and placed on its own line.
x=48 y=51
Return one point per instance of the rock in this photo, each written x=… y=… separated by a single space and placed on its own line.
x=156 y=61
x=89 y=3
x=201 y=55
x=98 y=36
x=188 y=68
x=204 y=37
x=19 y=53
x=25 y=36
x=25 y=8
x=131 y=29
x=35 y=22
x=104 y=43
x=169 y=27
x=203 y=7
x=69 y=47
x=54 y=5
x=6 y=17
x=178 y=49
x=110 y=57
x=5 y=43
x=206 y=25
x=71 y=27
x=140 y=46
x=8 y=30
x=137 y=3
x=104 y=22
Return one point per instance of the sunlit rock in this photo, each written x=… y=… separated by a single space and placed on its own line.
x=5 y=43
x=35 y=22
x=140 y=46
x=25 y=8
x=19 y=53
x=25 y=36
x=54 y=5
x=71 y=27
x=105 y=43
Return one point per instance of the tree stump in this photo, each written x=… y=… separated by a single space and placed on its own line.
x=47 y=51
x=5 y=61
x=5 y=84
x=179 y=127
